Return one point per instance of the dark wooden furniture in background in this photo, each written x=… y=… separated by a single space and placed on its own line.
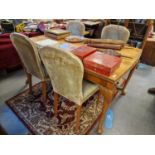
x=94 y=27
x=148 y=55
x=139 y=30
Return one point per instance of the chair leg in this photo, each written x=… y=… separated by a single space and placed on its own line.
x=78 y=114
x=44 y=93
x=56 y=99
x=29 y=79
x=98 y=99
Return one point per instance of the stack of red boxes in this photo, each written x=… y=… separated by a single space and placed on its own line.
x=83 y=51
x=101 y=63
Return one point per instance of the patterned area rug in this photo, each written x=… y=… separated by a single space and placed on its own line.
x=43 y=122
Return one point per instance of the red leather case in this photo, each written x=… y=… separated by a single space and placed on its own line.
x=83 y=51
x=101 y=63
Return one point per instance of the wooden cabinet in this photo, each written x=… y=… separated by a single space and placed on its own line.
x=148 y=55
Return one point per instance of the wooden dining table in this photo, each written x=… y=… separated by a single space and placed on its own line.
x=111 y=85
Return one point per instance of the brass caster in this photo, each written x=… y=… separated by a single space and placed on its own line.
x=100 y=131
x=123 y=93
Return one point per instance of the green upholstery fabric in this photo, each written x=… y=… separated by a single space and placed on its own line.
x=88 y=89
x=115 y=32
x=66 y=73
x=28 y=53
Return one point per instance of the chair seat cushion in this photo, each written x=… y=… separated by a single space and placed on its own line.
x=88 y=89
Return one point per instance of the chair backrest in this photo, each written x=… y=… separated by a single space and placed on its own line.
x=76 y=28
x=28 y=54
x=115 y=32
x=65 y=71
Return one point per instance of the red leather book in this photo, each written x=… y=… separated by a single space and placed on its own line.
x=102 y=63
x=83 y=51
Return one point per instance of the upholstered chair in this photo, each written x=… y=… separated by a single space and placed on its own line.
x=66 y=73
x=76 y=28
x=115 y=32
x=28 y=53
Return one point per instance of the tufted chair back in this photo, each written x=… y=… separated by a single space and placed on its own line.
x=115 y=32
x=28 y=54
x=67 y=70
x=76 y=28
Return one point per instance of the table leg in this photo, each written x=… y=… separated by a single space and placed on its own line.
x=108 y=94
x=127 y=80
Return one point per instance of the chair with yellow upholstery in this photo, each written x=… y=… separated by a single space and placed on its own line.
x=115 y=32
x=28 y=53
x=66 y=72
x=76 y=28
